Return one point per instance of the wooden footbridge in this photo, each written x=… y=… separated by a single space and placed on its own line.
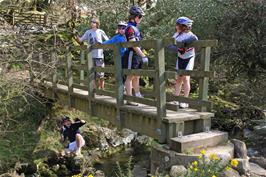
x=155 y=116
x=182 y=130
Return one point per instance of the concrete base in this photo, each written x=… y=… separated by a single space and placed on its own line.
x=162 y=158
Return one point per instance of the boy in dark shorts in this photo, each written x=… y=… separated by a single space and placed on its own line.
x=185 y=56
x=134 y=57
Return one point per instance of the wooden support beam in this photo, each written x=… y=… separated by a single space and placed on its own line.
x=119 y=86
x=139 y=72
x=145 y=101
x=82 y=62
x=204 y=82
x=90 y=78
x=107 y=69
x=196 y=74
x=159 y=86
x=69 y=78
x=55 y=78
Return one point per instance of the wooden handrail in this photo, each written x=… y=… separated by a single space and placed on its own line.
x=157 y=97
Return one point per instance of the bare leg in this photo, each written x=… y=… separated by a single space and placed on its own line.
x=135 y=83
x=78 y=140
x=178 y=85
x=186 y=81
x=101 y=83
x=128 y=85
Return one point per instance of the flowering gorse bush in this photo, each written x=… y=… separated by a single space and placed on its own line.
x=210 y=166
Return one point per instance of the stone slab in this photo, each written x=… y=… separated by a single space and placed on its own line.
x=202 y=140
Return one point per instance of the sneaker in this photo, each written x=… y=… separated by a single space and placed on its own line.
x=78 y=152
x=131 y=103
x=183 y=105
x=138 y=94
x=175 y=102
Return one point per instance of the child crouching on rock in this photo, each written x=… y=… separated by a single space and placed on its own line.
x=70 y=130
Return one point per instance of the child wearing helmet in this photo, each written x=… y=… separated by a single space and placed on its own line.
x=93 y=36
x=185 y=56
x=119 y=37
x=134 y=56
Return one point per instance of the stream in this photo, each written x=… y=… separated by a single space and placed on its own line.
x=140 y=162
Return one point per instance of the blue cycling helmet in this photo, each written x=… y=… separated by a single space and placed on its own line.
x=185 y=21
x=136 y=10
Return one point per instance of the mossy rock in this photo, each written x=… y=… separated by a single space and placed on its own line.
x=44 y=170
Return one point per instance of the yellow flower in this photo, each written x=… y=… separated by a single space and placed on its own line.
x=213 y=176
x=213 y=156
x=227 y=168
x=90 y=176
x=234 y=162
x=203 y=152
x=195 y=163
x=195 y=169
x=191 y=167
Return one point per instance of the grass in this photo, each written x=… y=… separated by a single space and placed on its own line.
x=20 y=137
x=35 y=135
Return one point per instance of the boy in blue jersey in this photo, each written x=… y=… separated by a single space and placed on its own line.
x=185 y=56
x=119 y=37
x=134 y=57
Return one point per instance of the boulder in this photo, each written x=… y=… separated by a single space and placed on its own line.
x=178 y=170
x=128 y=136
x=240 y=149
x=26 y=168
x=103 y=143
x=261 y=161
x=257 y=170
x=243 y=166
x=138 y=171
x=229 y=173
x=99 y=173
x=142 y=140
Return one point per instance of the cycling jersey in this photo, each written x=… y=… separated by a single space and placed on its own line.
x=132 y=32
x=116 y=39
x=92 y=36
x=131 y=60
x=185 y=53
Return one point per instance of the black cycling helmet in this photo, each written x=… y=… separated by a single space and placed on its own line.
x=136 y=10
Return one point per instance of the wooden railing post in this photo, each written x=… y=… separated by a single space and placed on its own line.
x=204 y=82
x=55 y=78
x=160 y=89
x=119 y=85
x=82 y=62
x=69 y=77
x=90 y=77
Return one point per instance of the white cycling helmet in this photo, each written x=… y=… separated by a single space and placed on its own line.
x=185 y=21
x=122 y=24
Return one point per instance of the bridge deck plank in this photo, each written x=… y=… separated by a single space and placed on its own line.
x=171 y=116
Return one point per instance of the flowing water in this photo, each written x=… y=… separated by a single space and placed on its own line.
x=140 y=162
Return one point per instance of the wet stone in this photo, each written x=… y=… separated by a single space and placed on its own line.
x=240 y=149
x=178 y=170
